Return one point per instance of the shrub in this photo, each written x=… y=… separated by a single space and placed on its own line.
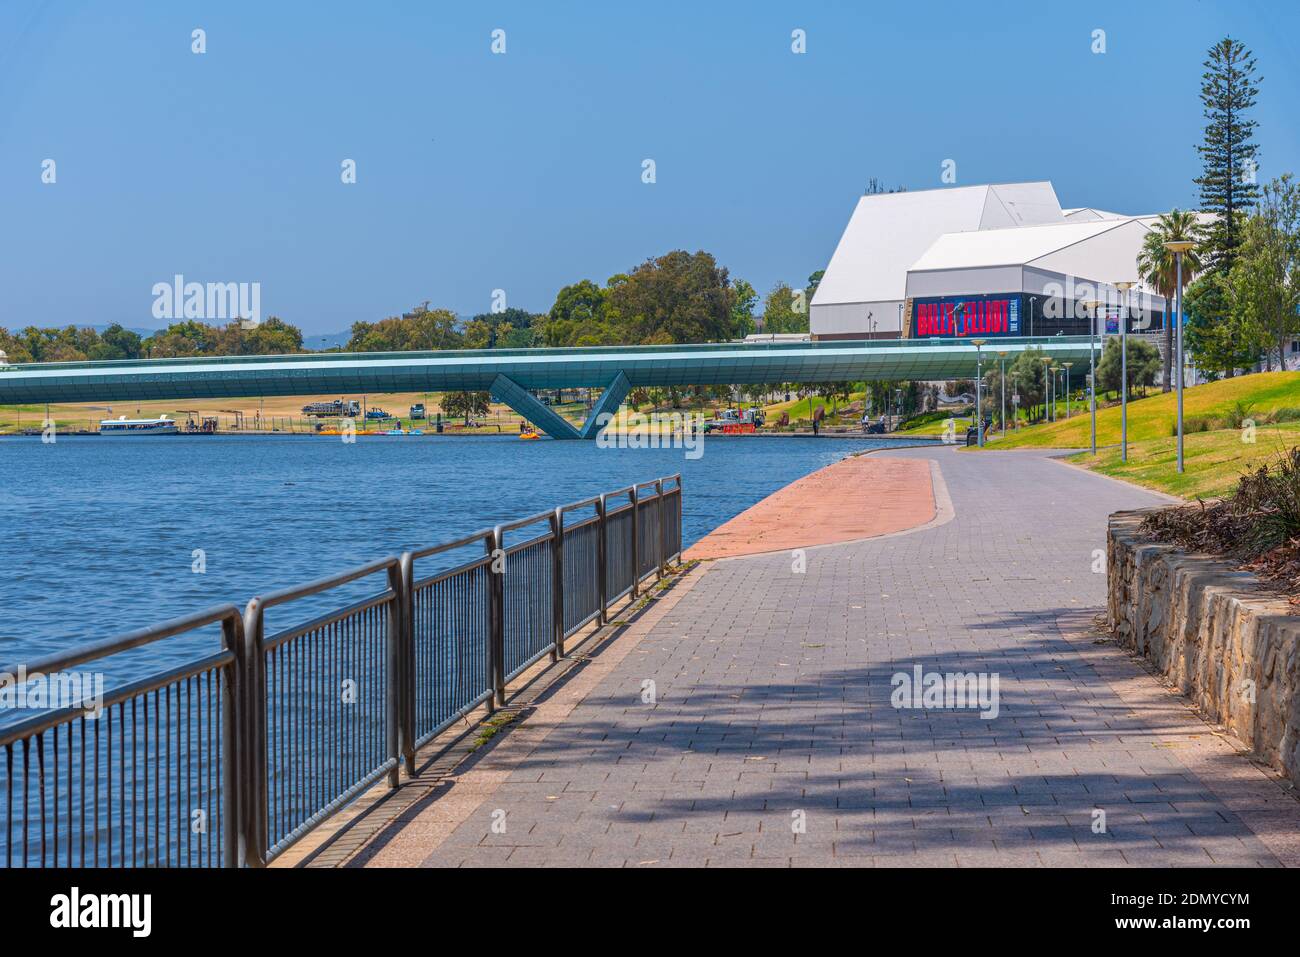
x=1261 y=514
x=1194 y=423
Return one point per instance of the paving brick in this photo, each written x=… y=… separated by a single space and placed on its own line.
x=774 y=695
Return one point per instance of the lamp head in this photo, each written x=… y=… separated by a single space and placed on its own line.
x=1179 y=245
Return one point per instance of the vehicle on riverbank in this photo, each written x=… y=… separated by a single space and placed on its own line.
x=736 y=421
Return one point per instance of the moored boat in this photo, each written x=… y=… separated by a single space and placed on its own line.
x=124 y=426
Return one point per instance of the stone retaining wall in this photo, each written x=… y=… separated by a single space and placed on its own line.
x=1207 y=627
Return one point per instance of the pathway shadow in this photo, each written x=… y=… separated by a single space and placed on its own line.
x=1061 y=747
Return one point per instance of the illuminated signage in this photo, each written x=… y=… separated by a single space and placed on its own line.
x=970 y=316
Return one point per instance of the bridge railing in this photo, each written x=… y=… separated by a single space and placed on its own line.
x=230 y=758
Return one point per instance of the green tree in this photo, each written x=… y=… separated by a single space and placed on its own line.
x=1027 y=378
x=1229 y=154
x=466 y=404
x=1265 y=280
x=420 y=329
x=432 y=329
x=784 y=311
x=180 y=340
x=742 y=309
x=1143 y=364
x=578 y=317
x=677 y=297
x=116 y=343
x=1217 y=335
x=1157 y=267
x=272 y=337
x=14 y=348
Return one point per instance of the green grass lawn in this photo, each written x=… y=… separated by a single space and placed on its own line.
x=1213 y=461
x=804 y=408
x=1152 y=418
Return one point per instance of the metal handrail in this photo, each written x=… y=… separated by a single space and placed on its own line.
x=419 y=644
x=227 y=664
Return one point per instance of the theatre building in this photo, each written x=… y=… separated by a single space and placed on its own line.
x=1001 y=260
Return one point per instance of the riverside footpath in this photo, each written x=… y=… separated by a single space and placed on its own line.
x=767 y=709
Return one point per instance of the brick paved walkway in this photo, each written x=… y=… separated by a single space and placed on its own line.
x=815 y=511
x=772 y=708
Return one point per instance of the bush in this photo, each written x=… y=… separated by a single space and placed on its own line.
x=1195 y=423
x=1261 y=514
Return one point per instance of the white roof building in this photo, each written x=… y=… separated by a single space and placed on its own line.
x=1012 y=239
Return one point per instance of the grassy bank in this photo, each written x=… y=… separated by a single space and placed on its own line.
x=1152 y=418
x=1213 y=461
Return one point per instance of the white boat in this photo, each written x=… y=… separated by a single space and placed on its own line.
x=124 y=426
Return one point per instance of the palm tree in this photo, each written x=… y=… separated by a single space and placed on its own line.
x=1158 y=269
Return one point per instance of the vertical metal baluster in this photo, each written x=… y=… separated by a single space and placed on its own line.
x=197 y=755
x=54 y=860
x=205 y=762
x=144 y=781
x=40 y=762
x=97 y=790
x=157 y=791
x=82 y=782
x=189 y=784
x=134 y=802
x=9 y=805
x=27 y=790
x=167 y=817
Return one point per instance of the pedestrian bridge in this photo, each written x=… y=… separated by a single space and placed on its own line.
x=512 y=375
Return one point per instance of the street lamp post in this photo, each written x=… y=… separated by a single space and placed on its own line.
x=1002 y=378
x=979 y=392
x=1123 y=288
x=1095 y=304
x=1047 y=372
x=1067 y=387
x=1178 y=247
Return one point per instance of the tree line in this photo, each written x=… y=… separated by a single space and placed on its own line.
x=679 y=297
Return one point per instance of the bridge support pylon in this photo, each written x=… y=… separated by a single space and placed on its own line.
x=507 y=390
x=607 y=404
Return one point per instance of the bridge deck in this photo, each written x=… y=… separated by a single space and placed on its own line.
x=530 y=369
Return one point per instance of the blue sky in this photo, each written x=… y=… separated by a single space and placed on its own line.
x=522 y=171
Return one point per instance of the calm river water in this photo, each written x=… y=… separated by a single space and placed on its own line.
x=98 y=535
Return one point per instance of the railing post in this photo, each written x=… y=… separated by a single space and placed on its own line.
x=557 y=583
x=497 y=629
x=394 y=687
x=636 y=534
x=406 y=571
x=681 y=515
x=232 y=745
x=602 y=585
x=253 y=736
x=663 y=539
